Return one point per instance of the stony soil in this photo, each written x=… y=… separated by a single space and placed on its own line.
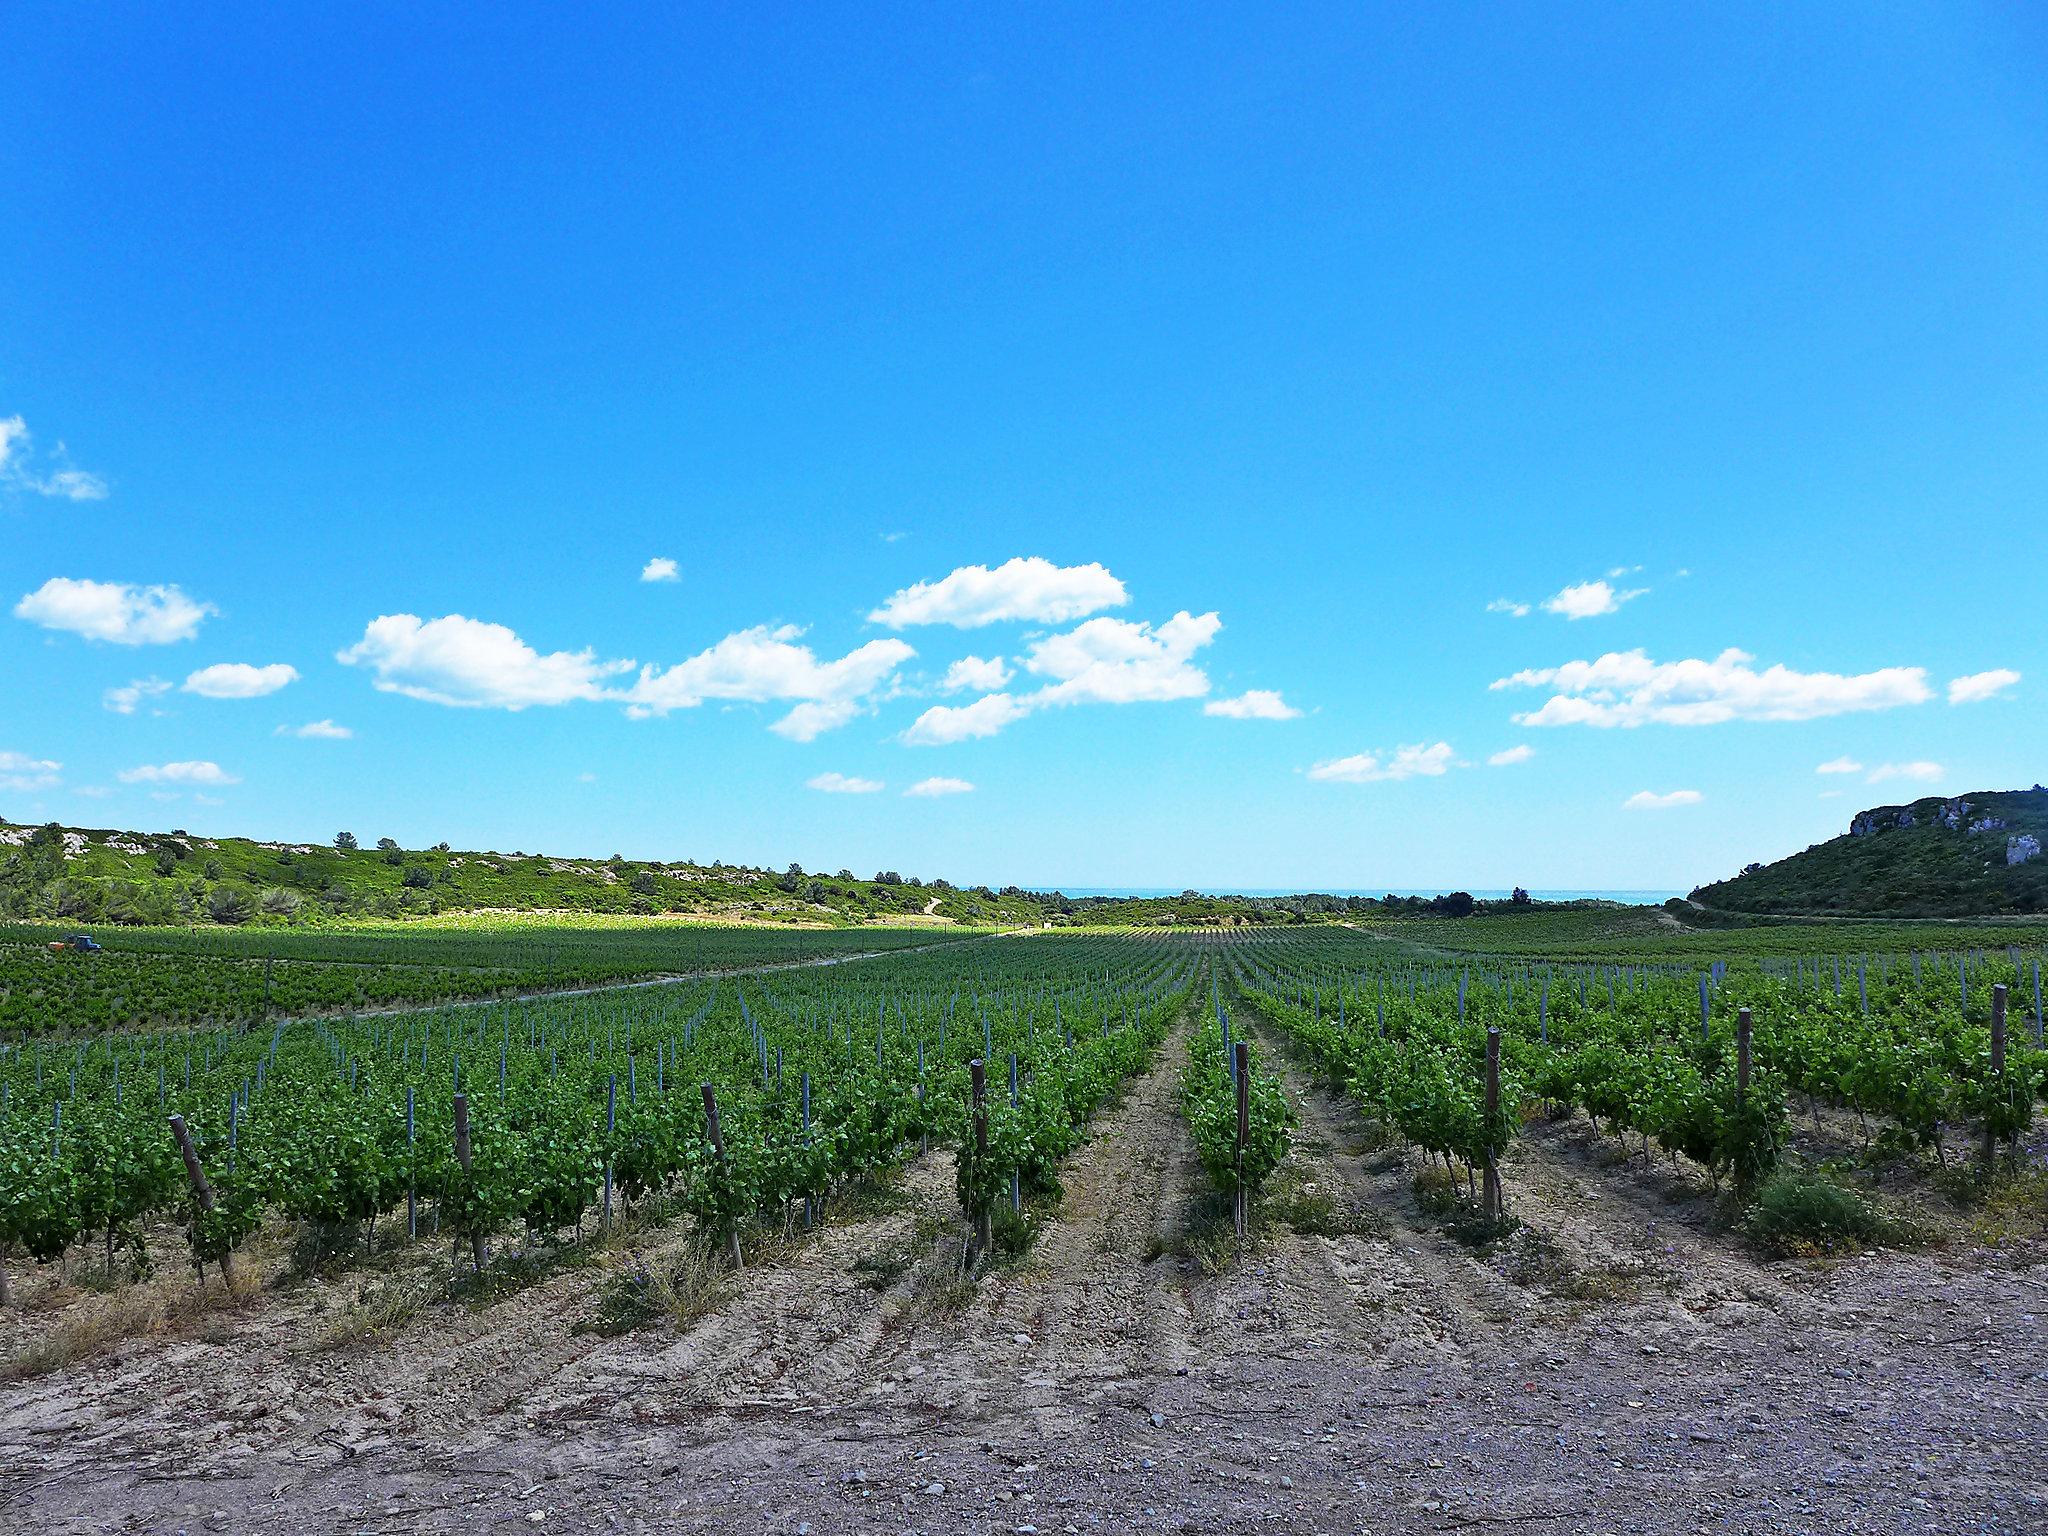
x=1619 y=1365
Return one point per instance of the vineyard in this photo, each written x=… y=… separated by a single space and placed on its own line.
x=184 y=977
x=940 y=1149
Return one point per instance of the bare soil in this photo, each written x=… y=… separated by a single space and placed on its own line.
x=1618 y=1364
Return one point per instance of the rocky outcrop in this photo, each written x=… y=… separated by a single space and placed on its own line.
x=1988 y=824
x=2021 y=847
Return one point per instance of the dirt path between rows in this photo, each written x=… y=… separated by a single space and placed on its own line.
x=1619 y=1367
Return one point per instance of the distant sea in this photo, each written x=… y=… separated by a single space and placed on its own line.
x=1631 y=898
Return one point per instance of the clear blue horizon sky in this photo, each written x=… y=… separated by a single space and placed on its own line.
x=1213 y=436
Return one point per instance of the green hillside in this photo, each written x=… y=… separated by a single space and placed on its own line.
x=104 y=875
x=1974 y=855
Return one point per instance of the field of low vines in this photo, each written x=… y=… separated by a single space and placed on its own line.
x=181 y=977
x=731 y=1096
x=747 y=1096
x=1704 y=1061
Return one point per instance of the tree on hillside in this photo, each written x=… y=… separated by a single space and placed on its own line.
x=345 y=841
x=1520 y=898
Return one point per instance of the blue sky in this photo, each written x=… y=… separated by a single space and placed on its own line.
x=357 y=362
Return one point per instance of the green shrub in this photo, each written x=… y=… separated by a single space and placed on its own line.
x=1797 y=1215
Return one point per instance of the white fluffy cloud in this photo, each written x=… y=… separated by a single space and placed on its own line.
x=1104 y=661
x=466 y=662
x=1627 y=688
x=1510 y=607
x=840 y=784
x=1253 y=704
x=471 y=664
x=944 y=724
x=932 y=788
x=1116 y=661
x=1920 y=772
x=1511 y=755
x=63 y=481
x=129 y=697
x=1372 y=767
x=761 y=665
x=1645 y=800
x=240 y=680
x=316 y=730
x=1840 y=765
x=24 y=774
x=179 y=773
x=660 y=568
x=1025 y=588
x=976 y=674
x=1589 y=599
x=117 y=612
x=1979 y=686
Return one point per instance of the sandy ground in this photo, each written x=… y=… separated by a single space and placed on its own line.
x=1619 y=1367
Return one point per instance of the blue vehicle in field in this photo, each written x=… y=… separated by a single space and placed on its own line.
x=78 y=943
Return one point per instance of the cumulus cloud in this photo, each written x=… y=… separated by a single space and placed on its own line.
x=1920 y=772
x=316 y=730
x=840 y=784
x=1104 y=661
x=129 y=697
x=660 y=568
x=1026 y=588
x=944 y=724
x=1510 y=607
x=931 y=788
x=470 y=664
x=1979 y=686
x=61 y=481
x=1510 y=756
x=1627 y=688
x=1590 y=599
x=1115 y=661
x=25 y=774
x=1840 y=765
x=1645 y=800
x=239 y=680
x=211 y=774
x=1372 y=767
x=763 y=665
x=809 y=721
x=1253 y=704
x=976 y=674
x=117 y=612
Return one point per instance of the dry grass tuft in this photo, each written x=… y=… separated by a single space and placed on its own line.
x=167 y=1307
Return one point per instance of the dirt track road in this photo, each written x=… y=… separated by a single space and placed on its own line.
x=1623 y=1369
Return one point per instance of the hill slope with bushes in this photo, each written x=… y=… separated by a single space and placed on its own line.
x=1975 y=855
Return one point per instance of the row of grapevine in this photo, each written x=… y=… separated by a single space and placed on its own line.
x=1654 y=1051
x=817 y=1076
x=1238 y=1114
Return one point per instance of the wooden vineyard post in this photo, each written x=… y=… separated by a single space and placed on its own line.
x=462 y=1156
x=1742 y=1055
x=1241 y=1071
x=611 y=1124
x=412 y=1201
x=717 y=1137
x=201 y=1190
x=1490 y=1190
x=984 y=1232
x=1016 y=1179
x=1997 y=1066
